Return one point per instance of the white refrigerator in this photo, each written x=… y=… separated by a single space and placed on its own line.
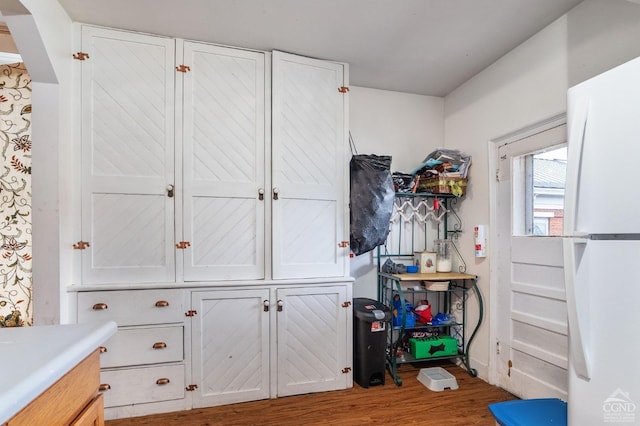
x=602 y=248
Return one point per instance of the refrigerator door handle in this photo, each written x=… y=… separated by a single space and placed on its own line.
x=577 y=313
x=576 y=143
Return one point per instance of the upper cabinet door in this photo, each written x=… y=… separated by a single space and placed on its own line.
x=128 y=157
x=224 y=163
x=309 y=167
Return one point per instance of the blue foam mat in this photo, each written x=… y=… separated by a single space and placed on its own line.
x=530 y=412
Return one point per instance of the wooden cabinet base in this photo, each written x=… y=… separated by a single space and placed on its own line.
x=72 y=400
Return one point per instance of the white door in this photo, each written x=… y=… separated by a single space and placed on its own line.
x=309 y=168
x=127 y=157
x=224 y=163
x=313 y=350
x=230 y=346
x=531 y=310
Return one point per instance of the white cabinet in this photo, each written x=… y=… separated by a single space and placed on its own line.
x=313 y=339
x=143 y=364
x=127 y=157
x=218 y=174
x=223 y=108
x=189 y=173
x=230 y=339
x=309 y=163
x=257 y=343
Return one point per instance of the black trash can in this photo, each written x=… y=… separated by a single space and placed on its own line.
x=370 y=321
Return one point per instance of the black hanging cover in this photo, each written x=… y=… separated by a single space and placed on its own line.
x=371 y=201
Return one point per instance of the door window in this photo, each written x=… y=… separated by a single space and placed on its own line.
x=538 y=185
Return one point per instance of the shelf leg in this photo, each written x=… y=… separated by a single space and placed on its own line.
x=472 y=371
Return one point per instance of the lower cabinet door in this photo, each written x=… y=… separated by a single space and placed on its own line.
x=128 y=386
x=230 y=346
x=312 y=339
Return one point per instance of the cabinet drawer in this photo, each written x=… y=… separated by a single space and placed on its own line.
x=141 y=385
x=148 y=345
x=131 y=307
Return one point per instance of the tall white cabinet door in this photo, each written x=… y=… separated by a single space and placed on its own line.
x=128 y=157
x=224 y=164
x=308 y=169
x=312 y=340
x=230 y=346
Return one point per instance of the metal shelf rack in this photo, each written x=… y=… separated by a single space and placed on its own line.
x=417 y=220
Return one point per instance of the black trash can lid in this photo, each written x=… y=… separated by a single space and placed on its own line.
x=370 y=310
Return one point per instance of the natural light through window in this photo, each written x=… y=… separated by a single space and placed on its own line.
x=541 y=176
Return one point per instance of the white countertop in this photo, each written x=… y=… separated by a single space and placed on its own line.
x=34 y=358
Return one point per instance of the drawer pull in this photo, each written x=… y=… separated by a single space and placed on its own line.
x=163 y=381
x=162 y=304
x=104 y=387
x=159 y=345
x=102 y=349
x=100 y=306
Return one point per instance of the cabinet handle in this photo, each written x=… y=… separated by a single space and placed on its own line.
x=276 y=191
x=265 y=305
x=102 y=349
x=260 y=194
x=163 y=381
x=104 y=387
x=162 y=304
x=100 y=306
x=170 y=191
x=280 y=305
x=159 y=345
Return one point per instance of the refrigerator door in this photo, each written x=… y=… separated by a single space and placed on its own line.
x=575 y=274
x=606 y=293
x=604 y=154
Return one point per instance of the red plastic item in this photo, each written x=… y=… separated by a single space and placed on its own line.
x=423 y=313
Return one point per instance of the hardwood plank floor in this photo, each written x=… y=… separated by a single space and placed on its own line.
x=411 y=403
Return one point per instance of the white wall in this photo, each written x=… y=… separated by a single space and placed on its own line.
x=405 y=126
x=525 y=87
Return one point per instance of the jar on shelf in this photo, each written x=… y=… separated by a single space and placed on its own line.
x=444 y=255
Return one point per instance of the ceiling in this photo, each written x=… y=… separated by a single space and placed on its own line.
x=426 y=47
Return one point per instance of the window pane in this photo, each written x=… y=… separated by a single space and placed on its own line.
x=539 y=180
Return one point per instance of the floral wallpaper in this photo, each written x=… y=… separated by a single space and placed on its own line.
x=16 y=308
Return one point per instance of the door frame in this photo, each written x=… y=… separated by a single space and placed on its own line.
x=492 y=150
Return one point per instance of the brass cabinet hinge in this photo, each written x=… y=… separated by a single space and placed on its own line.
x=346 y=304
x=190 y=313
x=81 y=245
x=80 y=56
x=183 y=244
x=346 y=370
x=343 y=89
x=191 y=388
x=183 y=68
x=343 y=244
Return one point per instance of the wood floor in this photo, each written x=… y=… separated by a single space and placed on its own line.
x=411 y=403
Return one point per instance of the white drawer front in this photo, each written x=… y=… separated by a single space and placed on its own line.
x=148 y=345
x=132 y=307
x=142 y=385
